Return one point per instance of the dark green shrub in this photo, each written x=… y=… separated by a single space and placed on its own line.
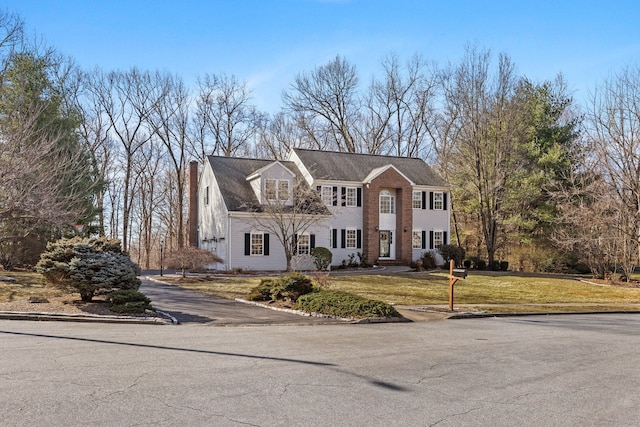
x=288 y=287
x=322 y=257
x=480 y=264
x=504 y=265
x=428 y=261
x=262 y=292
x=88 y=265
x=452 y=252
x=494 y=265
x=467 y=263
x=129 y=301
x=343 y=304
x=292 y=286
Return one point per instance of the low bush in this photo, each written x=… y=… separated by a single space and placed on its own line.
x=288 y=287
x=262 y=292
x=504 y=265
x=322 y=257
x=428 y=261
x=128 y=301
x=494 y=265
x=343 y=304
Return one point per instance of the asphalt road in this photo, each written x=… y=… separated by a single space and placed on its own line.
x=578 y=370
x=195 y=307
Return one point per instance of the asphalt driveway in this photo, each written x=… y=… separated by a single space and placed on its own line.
x=189 y=306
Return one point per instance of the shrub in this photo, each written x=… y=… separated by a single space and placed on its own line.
x=452 y=252
x=129 y=301
x=191 y=258
x=504 y=265
x=288 y=287
x=88 y=265
x=322 y=257
x=343 y=304
x=292 y=286
x=467 y=263
x=494 y=265
x=428 y=261
x=480 y=264
x=262 y=292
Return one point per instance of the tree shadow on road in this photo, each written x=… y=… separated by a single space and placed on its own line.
x=332 y=366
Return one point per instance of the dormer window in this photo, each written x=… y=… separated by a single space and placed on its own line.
x=276 y=189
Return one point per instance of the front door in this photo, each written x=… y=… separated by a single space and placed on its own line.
x=385 y=243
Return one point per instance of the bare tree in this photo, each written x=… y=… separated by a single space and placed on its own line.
x=225 y=111
x=326 y=103
x=483 y=155
x=290 y=217
x=170 y=123
x=614 y=118
x=127 y=99
x=399 y=109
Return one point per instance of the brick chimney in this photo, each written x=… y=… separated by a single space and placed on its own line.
x=192 y=222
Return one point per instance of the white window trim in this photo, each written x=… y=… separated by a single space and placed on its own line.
x=419 y=200
x=308 y=249
x=435 y=244
x=277 y=191
x=327 y=199
x=441 y=201
x=392 y=201
x=420 y=236
x=261 y=244
x=354 y=199
x=355 y=238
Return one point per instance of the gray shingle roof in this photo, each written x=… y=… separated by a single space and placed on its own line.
x=231 y=174
x=336 y=166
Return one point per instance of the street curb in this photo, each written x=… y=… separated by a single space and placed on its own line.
x=546 y=313
x=90 y=318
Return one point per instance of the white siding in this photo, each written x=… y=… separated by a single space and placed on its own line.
x=212 y=218
x=276 y=260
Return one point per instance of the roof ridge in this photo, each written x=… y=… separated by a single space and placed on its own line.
x=357 y=154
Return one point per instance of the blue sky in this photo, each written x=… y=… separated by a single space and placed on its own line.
x=267 y=42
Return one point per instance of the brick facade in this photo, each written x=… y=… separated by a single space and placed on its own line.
x=389 y=179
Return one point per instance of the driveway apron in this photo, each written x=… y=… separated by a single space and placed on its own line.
x=189 y=306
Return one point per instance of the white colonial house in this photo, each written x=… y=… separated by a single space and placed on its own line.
x=386 y=209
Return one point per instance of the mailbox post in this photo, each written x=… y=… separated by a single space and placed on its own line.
x=455 y=274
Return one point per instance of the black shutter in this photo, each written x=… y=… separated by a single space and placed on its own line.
x=334 y=238
x=312 y=241
x=247 y=243
x=319 y=188
x=359 y=197
x=359 y=239
x=424 y=200
x=390 y=237
x=295 y=244
x=444 y=202
x=424 y=239
x=444 y=238
x=335 y=196
x=431 y=200
x=265 y=243
x=343 y=238
x=344 y=196
x=431 y=239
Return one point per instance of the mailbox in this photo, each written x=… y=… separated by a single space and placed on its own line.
x=459 y=272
